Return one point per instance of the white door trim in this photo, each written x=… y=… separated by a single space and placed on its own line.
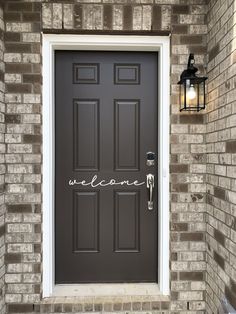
x=52 y=42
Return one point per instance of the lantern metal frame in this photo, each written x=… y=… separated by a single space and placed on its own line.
x=189 y=78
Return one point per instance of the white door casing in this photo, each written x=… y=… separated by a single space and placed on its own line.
x=160 y=44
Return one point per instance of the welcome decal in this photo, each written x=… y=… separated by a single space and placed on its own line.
x=94 y=182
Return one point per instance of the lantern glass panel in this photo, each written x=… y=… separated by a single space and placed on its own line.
x=191 y=94
x=182 y=96
x=202 y=94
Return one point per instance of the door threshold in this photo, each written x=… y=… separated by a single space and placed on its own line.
x=106 y=289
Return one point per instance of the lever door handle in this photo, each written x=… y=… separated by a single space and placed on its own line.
x=150 y=186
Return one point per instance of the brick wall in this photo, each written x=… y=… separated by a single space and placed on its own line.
x=186 y=21
x=221 y=154
x=187 y=166
x=23 y=153
x=2 y=166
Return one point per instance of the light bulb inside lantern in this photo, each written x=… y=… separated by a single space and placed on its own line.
x=191 y=93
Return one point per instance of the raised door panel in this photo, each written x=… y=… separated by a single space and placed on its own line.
x=86 y=73
x=86 y=221
x=127 y=120
x=127 y=74
x=127 y=221
x=86 y=135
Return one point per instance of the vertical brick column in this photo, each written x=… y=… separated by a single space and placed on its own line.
x=221 y=155
x=2 y=166
x=23 y=154
x=187 y=169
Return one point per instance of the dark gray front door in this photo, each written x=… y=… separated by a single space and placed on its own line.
x=106 y=122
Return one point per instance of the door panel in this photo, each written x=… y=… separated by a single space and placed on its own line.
x=127 y=135
x=86 y=135
x=127 y=224
x=86 y=222
x=106 y=122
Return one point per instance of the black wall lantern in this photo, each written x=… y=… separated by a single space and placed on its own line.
x=192 y=88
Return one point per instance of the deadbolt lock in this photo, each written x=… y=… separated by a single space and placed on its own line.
x=150 y=159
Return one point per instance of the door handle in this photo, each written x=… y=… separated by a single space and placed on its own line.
x=150 y=186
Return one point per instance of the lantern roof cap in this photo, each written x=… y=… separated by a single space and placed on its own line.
x=193 y=79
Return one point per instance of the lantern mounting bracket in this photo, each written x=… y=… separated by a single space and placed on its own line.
x=191 y=70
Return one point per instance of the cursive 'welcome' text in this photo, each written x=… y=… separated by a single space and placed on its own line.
x=94 y=182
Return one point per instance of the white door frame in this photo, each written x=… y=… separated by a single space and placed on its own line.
x=161 y=44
